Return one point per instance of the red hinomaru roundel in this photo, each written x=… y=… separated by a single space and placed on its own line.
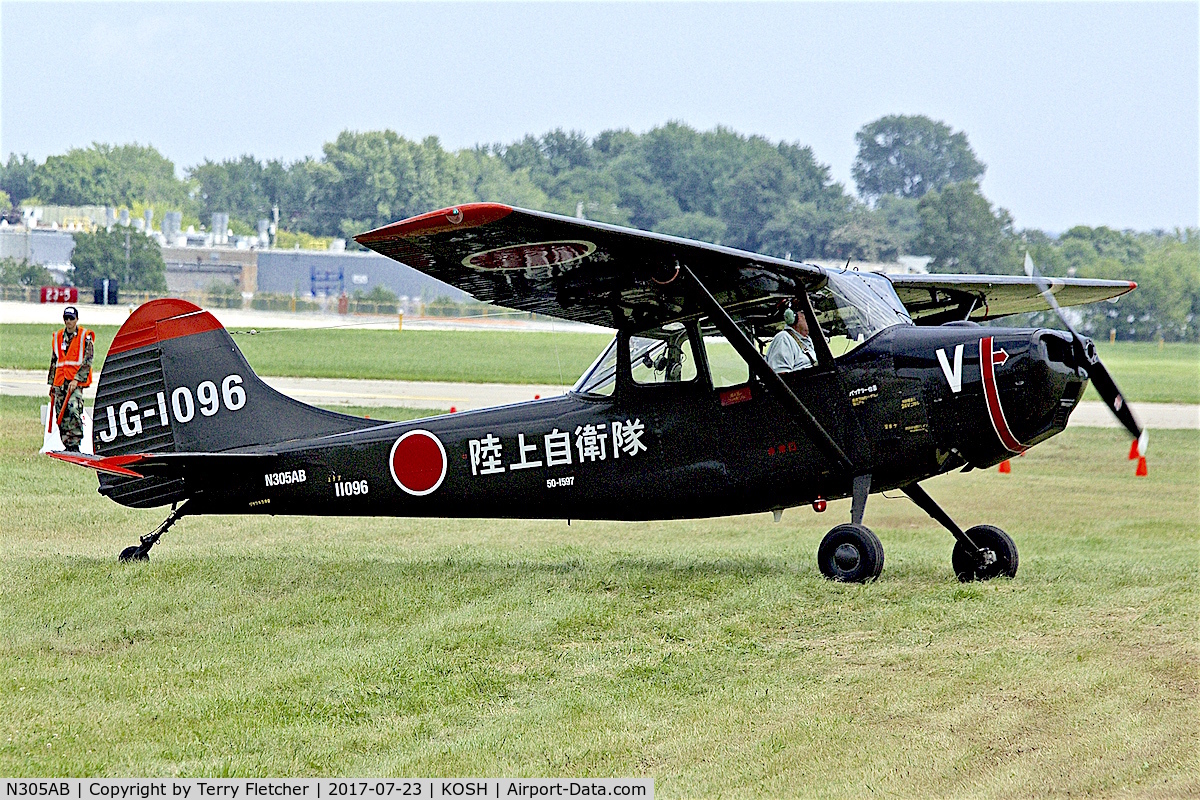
x=526 y=256
x=418 y=462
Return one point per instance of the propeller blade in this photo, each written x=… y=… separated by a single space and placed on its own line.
x=1105 y=386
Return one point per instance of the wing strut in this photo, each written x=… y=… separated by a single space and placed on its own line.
x=758 y=365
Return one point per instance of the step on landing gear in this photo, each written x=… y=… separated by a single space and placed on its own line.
x=141 y=552
x=980 y=553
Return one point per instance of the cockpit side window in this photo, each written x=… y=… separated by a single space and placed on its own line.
x=660 y=356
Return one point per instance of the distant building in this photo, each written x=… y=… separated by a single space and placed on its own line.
x=198 y=268
x=45 y=246
x=197 y=260
x=307 y=272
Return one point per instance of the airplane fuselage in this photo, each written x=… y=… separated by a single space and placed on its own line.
x=908 y=404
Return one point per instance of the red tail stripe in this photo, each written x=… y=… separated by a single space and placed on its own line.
x=995 y=412
x=159 y=321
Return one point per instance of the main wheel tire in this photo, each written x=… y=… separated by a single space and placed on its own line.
x=851 y=554
x=991 y=538
x=133 y=553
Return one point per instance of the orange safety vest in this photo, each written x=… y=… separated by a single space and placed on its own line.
x=70 y=359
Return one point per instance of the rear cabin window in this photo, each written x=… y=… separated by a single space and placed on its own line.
x=662 y=356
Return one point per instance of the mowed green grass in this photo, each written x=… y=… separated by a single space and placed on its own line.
x=1152 y=374
x=708 y=654
x=1145 y=372
x=469 y=356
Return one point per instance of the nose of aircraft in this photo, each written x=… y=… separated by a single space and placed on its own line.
x=1054 y=378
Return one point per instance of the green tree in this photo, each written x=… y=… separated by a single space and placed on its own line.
x=111 y=175
x=899 y=216
x=16 y=178
x=370 y=179
x=15 y=272
x=236 y=186
x=102 y=255
x=693 y=225
x=963 y=234
x=908 y=156
x=1166 y=303
x=799 y=231
x=486 y=178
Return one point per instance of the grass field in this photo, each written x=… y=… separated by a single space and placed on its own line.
x=707 y=654
x=471 y=356
x=1144 y=372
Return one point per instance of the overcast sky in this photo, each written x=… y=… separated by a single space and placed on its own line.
x=1084 y=113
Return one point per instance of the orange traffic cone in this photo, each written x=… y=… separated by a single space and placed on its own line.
x=1006 y=466
x=1133 y=451
x=1141 y=467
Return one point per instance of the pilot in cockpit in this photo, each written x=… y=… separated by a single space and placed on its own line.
x=792 y=348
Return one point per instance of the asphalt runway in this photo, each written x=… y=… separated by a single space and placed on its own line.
x=468 y=396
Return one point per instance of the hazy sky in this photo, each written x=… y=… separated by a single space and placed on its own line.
x=1084 y=113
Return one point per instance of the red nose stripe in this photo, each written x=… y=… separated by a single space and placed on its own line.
x=988 y=368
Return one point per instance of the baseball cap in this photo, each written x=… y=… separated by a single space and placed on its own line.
x=71 y=311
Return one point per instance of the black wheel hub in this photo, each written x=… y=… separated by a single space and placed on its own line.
x=846 y=557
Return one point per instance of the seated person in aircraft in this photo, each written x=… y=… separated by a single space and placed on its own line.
x=792 y=348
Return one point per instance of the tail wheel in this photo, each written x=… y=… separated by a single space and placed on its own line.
x=999 y=555
x=133 y=553
x=851 y=554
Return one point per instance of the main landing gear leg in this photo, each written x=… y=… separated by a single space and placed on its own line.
x=141 y=552
x=980 y=553
x=852 y=553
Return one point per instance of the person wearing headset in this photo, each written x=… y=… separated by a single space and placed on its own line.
x=792 y=348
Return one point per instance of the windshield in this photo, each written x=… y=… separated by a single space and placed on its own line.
x=601 y=376
x=854 y=306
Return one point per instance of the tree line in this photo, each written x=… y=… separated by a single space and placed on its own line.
x=917 y=184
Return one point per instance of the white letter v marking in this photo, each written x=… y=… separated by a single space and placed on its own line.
x=953 y=377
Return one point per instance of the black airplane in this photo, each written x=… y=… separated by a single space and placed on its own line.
x=680 y=417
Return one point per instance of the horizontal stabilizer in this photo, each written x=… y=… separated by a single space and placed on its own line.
x=166 y=465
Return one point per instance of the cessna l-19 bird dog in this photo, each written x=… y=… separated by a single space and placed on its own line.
x=681 y=416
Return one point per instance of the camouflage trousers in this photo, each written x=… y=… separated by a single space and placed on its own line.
x=71 y=427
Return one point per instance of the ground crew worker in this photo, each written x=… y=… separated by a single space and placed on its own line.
x=71 y=353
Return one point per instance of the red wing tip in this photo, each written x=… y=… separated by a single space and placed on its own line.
x=1132 y=285
x=114 y=465
x=468 y=215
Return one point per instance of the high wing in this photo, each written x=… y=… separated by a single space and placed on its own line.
x=581 y=270
x=624 y=278
x=934 y=299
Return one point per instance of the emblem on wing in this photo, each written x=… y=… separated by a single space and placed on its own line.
x=537 y=255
